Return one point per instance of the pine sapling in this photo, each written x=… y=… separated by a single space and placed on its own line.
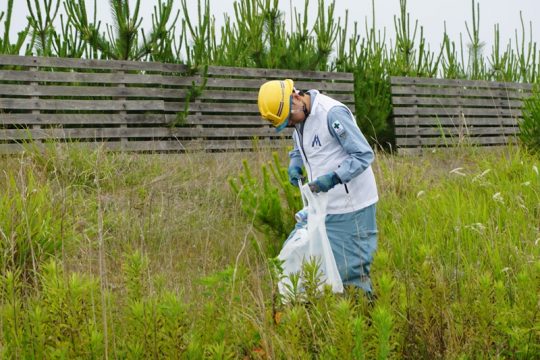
x=382 y=322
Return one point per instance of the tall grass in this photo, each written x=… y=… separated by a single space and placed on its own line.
x=32 y=228
x=256 y=35
x=162 y=261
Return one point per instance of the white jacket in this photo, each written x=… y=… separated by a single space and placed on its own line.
x=322 y=153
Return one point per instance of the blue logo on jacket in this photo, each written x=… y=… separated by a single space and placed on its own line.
x=316 y=141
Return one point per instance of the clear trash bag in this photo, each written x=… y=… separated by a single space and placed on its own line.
x=308 y=242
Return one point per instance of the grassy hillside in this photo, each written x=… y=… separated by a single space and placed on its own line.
x=141 y=256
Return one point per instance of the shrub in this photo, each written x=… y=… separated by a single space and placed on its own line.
x=271 y=204
x=530 y=126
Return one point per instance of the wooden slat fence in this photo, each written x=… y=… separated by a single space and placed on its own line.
x=141 y=106
x=438 y=112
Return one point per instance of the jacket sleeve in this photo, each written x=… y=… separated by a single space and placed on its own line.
x=343 y=127
x=295 y=158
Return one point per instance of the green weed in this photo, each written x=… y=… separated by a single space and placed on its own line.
x=163 y=265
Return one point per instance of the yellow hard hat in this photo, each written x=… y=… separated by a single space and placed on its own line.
x=275 y=101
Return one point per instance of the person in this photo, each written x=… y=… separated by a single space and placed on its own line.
x=337 y=158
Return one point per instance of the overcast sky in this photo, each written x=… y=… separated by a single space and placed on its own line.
x=431 y=14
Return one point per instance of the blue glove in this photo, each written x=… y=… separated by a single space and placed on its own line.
x=324 y=183
x=295 y=174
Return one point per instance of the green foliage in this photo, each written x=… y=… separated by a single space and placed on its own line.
x=30 y=229
x=270 y=203
x=358 y=331
x=530 y=125
x=451 y=66
x=312 y=278
x=372 y=92
x=201 y=33
x=6 y=47
x=154 y=327
x=88 y=31
x=135 y=272
x=462 y=237
x=59 y=321
x=454 y=275
x=73 y=166
x=68 y=43
x=382 y=322
x=159 y=45
x=41 y=22
x=12 y=314
x=192 y=94
x=343 y=326
x=476 y=65
x=258 y=37
x=408 y=58
x=69 y=313
x=326 y=30
x=123 y=41
x=327 y=325
x=64 y=319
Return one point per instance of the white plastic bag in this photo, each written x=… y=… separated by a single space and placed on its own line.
x=310 y=242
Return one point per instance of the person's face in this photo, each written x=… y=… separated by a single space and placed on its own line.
x=297 y=109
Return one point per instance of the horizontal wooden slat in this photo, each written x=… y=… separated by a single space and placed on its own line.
x=213 y=108
x=214 y=120
x=185 y=81
x=99 y=133
x=325 y=87
x=220 y=95
x=198 y=145
x=128 y=119
x=439 y=141
x=139 y=92
x=456 y=111
x=82 y=105
x=453 y=121
x=256 y=84
x=218 y=107
x=96 y=78
x=174 y=68
x=157 y=146
x=81 y=119
x=345 y=98
x=109 y=78
x=460 y=91
x=33 y=61
x=468 y=131
x=408 y=151
x=398 y=80
x=489 y=103
x=48 y=119
x=93 y=91
x=279 y=74
x=231 y=94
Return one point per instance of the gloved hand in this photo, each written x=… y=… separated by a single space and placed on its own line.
x=295 y=174
x=324 y=182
